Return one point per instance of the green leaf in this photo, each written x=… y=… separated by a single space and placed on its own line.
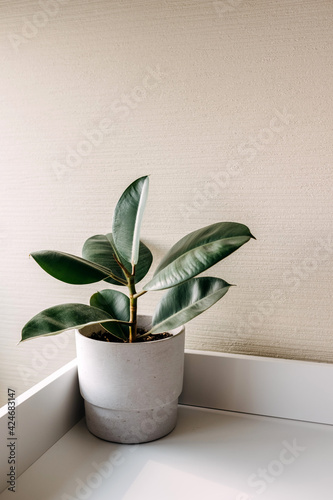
x=198 y=251
x=186 y=301
x=70 y=268
x=63 y=317
x=100 y=249
x=127 y=220
x=117 y=305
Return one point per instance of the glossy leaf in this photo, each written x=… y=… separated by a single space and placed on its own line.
x=63 y=317
x=70 y=268
x=186 y=301
x=117 y=305
x=198 y=251
x=127 y=220
x=100 y=249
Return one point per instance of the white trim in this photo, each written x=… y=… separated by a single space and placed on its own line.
x=44 y=414
x=299 y=390
x=272 y=387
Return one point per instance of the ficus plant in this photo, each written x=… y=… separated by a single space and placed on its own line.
x=120 y=258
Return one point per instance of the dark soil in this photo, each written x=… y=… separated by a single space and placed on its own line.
x=157 y=336
x=105 y=336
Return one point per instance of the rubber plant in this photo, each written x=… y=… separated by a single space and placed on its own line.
x=120 y=258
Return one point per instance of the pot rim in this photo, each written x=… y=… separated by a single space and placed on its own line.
x=175 y=332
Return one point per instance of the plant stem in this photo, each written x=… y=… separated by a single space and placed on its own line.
x=133 y=309
x=140 y=293
x=126 y=273
x=132 y=297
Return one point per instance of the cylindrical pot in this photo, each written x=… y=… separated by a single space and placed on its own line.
x=130 y=390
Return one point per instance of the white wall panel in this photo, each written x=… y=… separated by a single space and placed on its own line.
x=236 y=125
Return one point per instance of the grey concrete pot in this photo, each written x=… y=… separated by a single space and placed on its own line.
x=130 y=390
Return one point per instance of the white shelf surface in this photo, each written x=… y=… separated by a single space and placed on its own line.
x=212 y=454
x=249 y=427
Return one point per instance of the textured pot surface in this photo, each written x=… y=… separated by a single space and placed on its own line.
x=131 y=426
x=130 y=390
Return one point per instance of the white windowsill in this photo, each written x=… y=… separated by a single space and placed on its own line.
x=220 y=452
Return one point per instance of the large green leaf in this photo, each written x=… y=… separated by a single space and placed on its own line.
x=117 y=305
x=127 y=220
x=198 y=251
x=186 y=301
x=100 y=249
x=70 y=268
x=63 y=317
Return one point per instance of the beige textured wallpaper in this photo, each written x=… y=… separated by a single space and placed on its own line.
x=226 y=104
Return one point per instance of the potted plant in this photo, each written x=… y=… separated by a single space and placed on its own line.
x=130 y=366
